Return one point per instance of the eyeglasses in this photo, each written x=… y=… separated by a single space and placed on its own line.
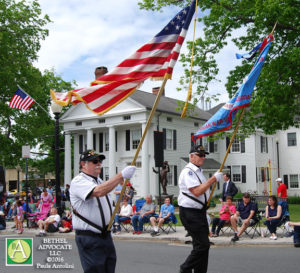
x=96 y=161
x=200 y=155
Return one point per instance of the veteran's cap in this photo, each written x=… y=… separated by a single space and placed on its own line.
x=199 y=149
x=90 y=155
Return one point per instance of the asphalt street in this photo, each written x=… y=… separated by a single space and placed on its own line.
x=162 y=257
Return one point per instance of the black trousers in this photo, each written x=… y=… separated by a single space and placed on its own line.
x=195 y=222
x=97 y=254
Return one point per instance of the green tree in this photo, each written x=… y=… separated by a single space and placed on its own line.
x=22 y=27
x=275 y=102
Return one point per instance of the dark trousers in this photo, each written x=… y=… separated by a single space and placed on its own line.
x=97 y=254
x=272 y=225
x=217 y=222
x=297 y=236
x=195 y=222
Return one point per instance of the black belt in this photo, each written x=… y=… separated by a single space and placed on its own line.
x=91 y=233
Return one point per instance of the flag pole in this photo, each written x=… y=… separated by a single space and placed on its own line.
x=34 y=100
x=160 y=92
x=227 y=152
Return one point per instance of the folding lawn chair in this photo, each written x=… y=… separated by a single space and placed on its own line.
x=255 y=227
x=171 y=225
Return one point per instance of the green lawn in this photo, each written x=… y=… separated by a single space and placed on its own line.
x=293 y=209
x=294 y=213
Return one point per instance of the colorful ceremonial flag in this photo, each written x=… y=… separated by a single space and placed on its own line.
x=21 y=100
x=156 y=60
x=222 y=119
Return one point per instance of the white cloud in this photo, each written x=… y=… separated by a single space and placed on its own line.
x=90 y=33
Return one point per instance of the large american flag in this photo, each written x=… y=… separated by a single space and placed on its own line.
x=21 y=100
x=156 y=59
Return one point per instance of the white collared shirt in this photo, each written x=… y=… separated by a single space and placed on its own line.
x=188 y=179
x=81 y=186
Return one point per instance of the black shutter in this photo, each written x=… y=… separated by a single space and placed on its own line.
x=286 y=180
x=201 y=141
x=192 y=142
x=256 y=174
x=116 y=141
x=127 y=140
x=261 y=144
x=243 y=146
x=175 y=175
x=262 y=172
x=80 y=144
x=94 y=142
x=101 y=142
x=243 y=174
x=174 y=140
x=165 y=138
x=211 y=145
x=227 y=143
x=267 y=145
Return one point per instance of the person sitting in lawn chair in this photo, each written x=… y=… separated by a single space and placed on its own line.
x=125 y=213
x=143 y=215
x=166 y=212
x=227 y=210
x=245 y=215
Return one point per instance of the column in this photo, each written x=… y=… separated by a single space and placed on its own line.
x=89 y=139
x=145 y=186
x=76 y=154
x=68 y=165
x=112 y=151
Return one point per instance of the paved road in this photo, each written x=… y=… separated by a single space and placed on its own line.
x=155 y=257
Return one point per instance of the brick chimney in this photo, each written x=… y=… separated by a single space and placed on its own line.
x=99 y=71
x=155 y=91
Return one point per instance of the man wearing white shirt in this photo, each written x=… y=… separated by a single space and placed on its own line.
x=193 y=196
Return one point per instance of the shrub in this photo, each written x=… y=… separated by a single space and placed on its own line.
x=294 y=200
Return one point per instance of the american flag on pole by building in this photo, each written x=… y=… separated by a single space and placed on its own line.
x=21 y=100
x=156 y=59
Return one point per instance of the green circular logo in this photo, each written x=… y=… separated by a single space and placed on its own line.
x=19 y=251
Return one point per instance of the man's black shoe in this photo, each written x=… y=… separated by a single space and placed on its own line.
x=235 y=238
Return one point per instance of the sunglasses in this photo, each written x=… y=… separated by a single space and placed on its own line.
x=96 y=161
x=200 y=155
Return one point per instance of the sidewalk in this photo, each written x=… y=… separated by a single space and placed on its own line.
x=172 y=237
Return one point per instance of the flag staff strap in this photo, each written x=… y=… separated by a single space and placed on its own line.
x=227 y=152
x=35 y=101
x=160 y=92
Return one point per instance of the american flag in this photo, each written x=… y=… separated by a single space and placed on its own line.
x=156 y=59
x=21 y=100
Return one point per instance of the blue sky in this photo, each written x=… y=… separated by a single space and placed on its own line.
x=90 y=33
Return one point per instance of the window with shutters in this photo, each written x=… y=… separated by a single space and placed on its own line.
x=136 y=137
x=106 y=141
x=106 y=173
x=238 y=173
x=172 y=175
x=292 y=141
x=205 y=143
x=236 y=146
x=263 y=144
x=169 y=139
x=262 y=174
x=294 y=181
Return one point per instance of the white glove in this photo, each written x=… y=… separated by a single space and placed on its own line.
x=128 y=172
x=218 y=176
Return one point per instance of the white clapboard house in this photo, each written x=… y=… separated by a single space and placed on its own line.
x=117 y=133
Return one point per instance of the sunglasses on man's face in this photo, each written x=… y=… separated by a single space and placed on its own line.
x=96 y=161
x=200 y=155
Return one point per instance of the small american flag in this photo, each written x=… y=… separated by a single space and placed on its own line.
x=21 y=100
x=156 y=59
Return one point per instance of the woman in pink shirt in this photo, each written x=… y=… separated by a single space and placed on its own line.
x=45 y=198
x=225 y=213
